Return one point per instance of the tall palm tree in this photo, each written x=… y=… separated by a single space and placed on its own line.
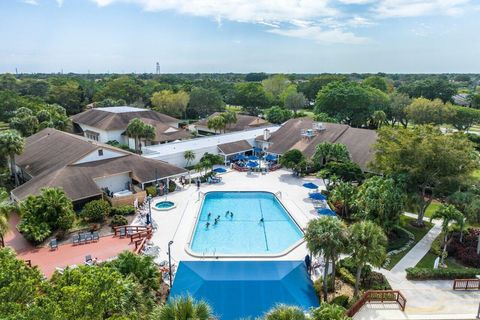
x=189 y=156
x=448 y=214
x=326 y=236
x=135 y=130
x=367 y=243
x=285 y=312
x=183 y=308
x=148 y=133
x=216 y=123
x=11 y=144
x=5 y=208
x=230 y=118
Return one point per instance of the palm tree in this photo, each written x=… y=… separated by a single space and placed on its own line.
x=344 y=193
x=326 y=236
x=378 y=118
x=11 y=144
x=189 y=156
x=327 y=151
x=135 y=130
x=230 y=118
x=285 y=312
x=216 y=123
x=448 y=214
x=5 y=209
x=148 y=133
x=367 y=244
x=183 y=308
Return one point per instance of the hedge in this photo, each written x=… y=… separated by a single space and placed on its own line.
x=441 y=273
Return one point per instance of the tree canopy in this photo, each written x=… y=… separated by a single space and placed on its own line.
x=171 y=103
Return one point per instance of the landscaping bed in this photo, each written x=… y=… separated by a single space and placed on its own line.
x=441 y=273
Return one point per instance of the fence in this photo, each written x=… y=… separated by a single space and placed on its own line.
x=378 y=296
x=466 y=284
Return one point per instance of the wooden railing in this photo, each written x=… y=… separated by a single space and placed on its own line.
x=139 y=244
x=130 y=230
x=466 y=284
x=28 y=263
x=378 y=296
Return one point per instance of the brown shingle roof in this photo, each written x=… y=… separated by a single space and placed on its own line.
x=244 y=122
x=235 y=147
x=166 y=133
x=105 y=120
x=77 y=180
x=358 y=141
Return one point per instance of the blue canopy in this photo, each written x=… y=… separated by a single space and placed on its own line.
x=310 y=185
x=220 y=170
x=326 y=212
x=271 y=157
x=244 y=289
x=239 y=157
x=253 y=158
x=252 y=164
x=317 y=196
x=256 y=149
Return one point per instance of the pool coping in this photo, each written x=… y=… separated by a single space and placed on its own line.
x=189 y=251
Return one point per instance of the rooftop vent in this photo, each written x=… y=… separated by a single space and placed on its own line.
x=266 y=134
x=318 y=126
x=308 y=133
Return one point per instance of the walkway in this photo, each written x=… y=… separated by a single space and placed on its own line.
x=425 y=299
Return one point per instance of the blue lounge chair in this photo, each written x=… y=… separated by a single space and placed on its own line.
x=123 y=232
x=81 y=238
x=95 y=236
x=88 y=237
x=53 y=244
x=75 y=239
x=88 y=260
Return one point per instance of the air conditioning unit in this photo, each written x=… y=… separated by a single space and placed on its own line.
x=318 y=126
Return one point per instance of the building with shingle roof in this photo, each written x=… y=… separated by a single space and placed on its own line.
x=244 y=122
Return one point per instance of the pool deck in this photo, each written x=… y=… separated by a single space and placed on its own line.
x=178 y=224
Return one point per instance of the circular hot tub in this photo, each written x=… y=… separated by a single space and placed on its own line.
x=164 y=205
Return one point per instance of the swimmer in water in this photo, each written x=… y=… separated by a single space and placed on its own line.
x=207 y=225
x=231 y=214
x=215 y=222
x=227 y=213
x=261 y=220
x=209 y=215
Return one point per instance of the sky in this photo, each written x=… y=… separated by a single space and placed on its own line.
x=273 y=36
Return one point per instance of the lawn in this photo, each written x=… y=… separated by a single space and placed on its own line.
x=432 y=208
x=308 y=113
x=429 y=259
x=419 y=233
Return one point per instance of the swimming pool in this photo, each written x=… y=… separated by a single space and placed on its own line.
x=258 y=225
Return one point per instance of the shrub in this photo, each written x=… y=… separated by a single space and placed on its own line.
x=118 y=220
x=346 y=276
x=151 y=191
x=123 y=210
x=441 y=274
x=172 y=186
x=96 y=210
x=341 y=300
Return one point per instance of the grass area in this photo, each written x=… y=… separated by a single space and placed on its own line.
x=308 y=113
x=419 y=233
x=429 y=260
x=432 y=208
x=233 y=108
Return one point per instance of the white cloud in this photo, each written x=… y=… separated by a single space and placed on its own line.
x=60 y=3
x=319 y=35
x=31 y=2
x=358 y=21
x=417 y=8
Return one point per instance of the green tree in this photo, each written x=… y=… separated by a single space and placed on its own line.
x=275 y=85
x=366 y=244
x=24 y=122
x=350 y=102
x=34 y=87
x=96 y=210
x=11 y=144
x=424 y=111
x=204 y=102
x=189 y=156
x=230 y=117
x=127 y=88
x=291 y=158
x=381 y=200
x=379 y=117
x=251 y=96
x=448 y=214
x=463 y=118
x=311 y=87
x=377 y=83
x=396 y=112
x=426 y=158
x=171 y=103
x=328 y=311
x=19 y=285
x=285 y=312
x=326 y=236
x=278 y=115
x=217 y=123
x=327 y=151
x=295 y=101
x=6 y=207
x=429 y=88
x=49 y=211
x=344 y=194
x=183 y=308
x=138 y=130
x=68 y=94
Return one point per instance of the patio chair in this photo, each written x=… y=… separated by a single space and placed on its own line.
x=88 y=260
x=123 y=232
x=53 y=244
x=75 y=239
x=88 y=237
x=81 y=238
x=95 y=236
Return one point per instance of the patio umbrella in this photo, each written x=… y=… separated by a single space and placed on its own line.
x=240 y=157
x=256 y=149
x=253 y=158
x=317 y=196
x=252 y=164
x=310 y=185
x=219 y=170
x=326 y=212
x=271 y=157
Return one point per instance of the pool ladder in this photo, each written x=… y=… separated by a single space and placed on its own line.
x=278 y=194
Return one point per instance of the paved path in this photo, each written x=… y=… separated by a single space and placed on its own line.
x=425 y=299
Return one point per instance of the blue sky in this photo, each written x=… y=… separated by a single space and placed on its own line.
x=304 y=36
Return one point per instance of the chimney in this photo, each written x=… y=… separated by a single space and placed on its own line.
x=266 y=134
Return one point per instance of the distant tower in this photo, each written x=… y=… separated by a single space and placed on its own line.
x=157 y=69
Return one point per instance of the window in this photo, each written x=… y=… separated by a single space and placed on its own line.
x=100 y=152
x=92 y=135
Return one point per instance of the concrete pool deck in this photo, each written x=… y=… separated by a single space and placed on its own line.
x=178 y=224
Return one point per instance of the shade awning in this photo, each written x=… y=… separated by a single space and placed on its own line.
x=310 y=185
x=244 y=289
x=235 y=147
x=326 y=212
x=317 y=196
x=252 y=164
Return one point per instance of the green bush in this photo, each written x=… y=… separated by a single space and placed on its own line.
x=118 y=220
x=436 y=247
x=151 y=191
x=346 y=276
x=172 y=186
x=96 y=210
x=441 y=274
x=341 y=300
x=122 y=210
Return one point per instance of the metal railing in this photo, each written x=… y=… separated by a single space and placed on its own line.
x=378 y=296
x=466 y=284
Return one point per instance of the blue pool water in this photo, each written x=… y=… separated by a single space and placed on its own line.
x=244 y=233
x=164 y=204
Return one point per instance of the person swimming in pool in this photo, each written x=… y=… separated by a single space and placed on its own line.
x=215 y=222
x=261 y=220
x=218 y=217
x=231 y=215
x=209 y=215
x=227 y=213
x=207 y=225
